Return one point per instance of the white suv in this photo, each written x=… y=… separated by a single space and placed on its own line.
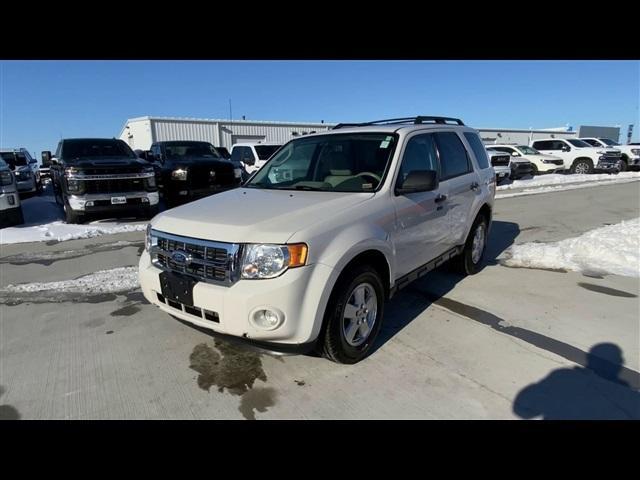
x=541 y=163
x=630 y=154
x=252 y=156
x=579 y=156
x=307 y=251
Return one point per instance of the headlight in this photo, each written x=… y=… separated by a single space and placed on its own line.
x=635 y=151
x=269 y=261
x=149 y=239
x=5 y=178
x=237 y=172
x=69 y=171
x=73 y=186
x=151 y=180
x=179 y=174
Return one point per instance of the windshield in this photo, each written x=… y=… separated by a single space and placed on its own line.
x=578 y=143
x=609 y=142
x=528 y=150
x=265 y=151
x=95 y=148
x=14 y=159
x=351 y=162
x=178 y=150
x=3 y=164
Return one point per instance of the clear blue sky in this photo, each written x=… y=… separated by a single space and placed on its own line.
x=40 y=101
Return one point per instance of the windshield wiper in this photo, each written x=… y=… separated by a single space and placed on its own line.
x=307 y=187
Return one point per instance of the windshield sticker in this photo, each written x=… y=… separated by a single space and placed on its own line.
x=384 y=144
x=367 y=186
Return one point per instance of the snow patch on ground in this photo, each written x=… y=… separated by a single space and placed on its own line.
x=613 y=249
x=120 y=279
x=559 y=182
x=44 y=222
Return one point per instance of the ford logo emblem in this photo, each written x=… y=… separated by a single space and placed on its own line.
x=181 y=258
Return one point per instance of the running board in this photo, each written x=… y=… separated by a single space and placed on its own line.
x=423 y=270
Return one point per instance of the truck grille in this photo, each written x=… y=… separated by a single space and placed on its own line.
x=114 y=185
x=206 y=260
x=201 y=177
x=500 y=160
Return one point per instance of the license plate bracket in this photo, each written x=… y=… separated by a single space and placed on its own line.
x=177 y=287
x=118 y=200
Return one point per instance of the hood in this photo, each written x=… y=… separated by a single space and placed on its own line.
x=186 y=162
x=108 y=162
x=254 y=215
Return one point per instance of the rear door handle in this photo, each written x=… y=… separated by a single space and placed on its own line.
x=475 y=186
x=440 y=198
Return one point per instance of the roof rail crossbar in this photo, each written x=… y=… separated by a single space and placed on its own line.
x=403 y=120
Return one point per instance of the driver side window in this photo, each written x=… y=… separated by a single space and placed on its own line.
x=419 y=154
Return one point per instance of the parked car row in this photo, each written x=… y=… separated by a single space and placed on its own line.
x=10 y=208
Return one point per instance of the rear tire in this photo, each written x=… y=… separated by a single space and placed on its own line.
x=582 y=166
x=350 y=323
x=623 y=165
x=470 y=260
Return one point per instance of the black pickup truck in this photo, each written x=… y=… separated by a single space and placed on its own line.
x=188 y=170
x=101 y=176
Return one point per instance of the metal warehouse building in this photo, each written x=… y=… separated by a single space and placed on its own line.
x=141 y=132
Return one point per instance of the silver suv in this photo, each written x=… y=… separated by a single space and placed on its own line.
x=25 y=168
x=306 y=252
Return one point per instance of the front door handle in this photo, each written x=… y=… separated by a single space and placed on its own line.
x=475 y=186
x=440 y=198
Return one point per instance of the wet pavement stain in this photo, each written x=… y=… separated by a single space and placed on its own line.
x=606 y=290
x=256 y=400
x=109 y=332
x=125 y=311
x=549 y=344
x=234 y=368
x=300 y=383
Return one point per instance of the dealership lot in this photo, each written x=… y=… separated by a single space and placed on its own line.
x=451 y=347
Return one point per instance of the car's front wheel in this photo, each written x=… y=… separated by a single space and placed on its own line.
x=582 y=166
x=71 y=216
x=353 y=316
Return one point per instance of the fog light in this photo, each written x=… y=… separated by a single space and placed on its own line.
x=88 y=203
x=267 y=319
x=11 y=200
x=145 y=200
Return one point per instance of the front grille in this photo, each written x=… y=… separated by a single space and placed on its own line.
x=110 y=171
x=114 y=185
x=195 y=311
x=500 y=160
x=201 y=177
x=208 y=261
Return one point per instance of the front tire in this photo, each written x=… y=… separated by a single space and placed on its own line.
x=353 y=316
x=582 y=166
x=623 y=165
x=71 y=216
x=470 y=260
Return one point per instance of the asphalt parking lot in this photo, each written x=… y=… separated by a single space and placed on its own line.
x=506 y=343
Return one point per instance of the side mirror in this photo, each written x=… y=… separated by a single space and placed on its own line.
x=46 y=158
x=418 y=181
x=566 y=148
x=248 y=161
x=515 y=154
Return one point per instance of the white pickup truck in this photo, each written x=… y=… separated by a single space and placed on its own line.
x=306 y=252
x=579 y=156
x=630 y=154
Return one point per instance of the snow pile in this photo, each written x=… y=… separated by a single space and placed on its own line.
x=120 y=279
x=558 y=182
x=61 y=231
x=613 y=249
x=560 y=179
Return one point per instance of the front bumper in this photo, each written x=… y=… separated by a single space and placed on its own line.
x=502 y=172
x=102 y=202
x=607 y=166
x=300 y=294
x=9 y=215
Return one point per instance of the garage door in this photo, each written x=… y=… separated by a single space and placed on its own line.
x=246 y=138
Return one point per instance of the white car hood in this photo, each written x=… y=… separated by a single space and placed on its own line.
x=251 y=215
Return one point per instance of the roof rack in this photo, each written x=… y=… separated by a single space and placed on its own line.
x=403 y=121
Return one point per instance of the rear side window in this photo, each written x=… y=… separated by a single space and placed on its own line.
x=454 y=160
x=236 y=154
x=478 y=149
x=542 y=145
x=419 y=154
